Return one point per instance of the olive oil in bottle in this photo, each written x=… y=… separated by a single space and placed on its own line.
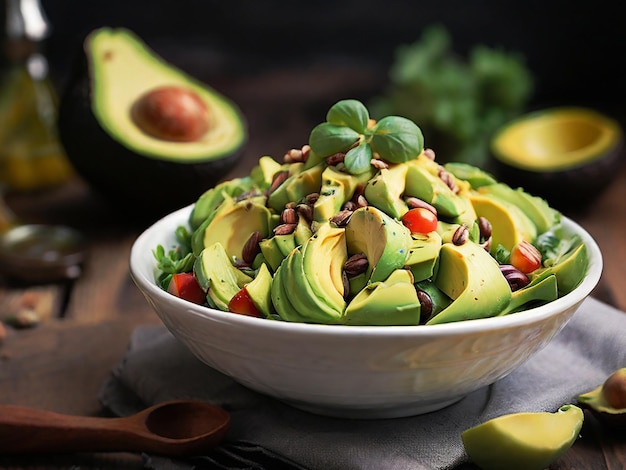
x=31 y=156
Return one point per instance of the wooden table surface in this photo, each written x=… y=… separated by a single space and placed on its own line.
x=60 y=364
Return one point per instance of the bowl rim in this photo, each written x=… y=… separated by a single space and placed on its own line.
x=145 y=244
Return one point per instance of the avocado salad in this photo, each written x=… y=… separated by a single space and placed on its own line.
x=362 y=226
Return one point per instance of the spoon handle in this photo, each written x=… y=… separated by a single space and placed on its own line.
x=28 y=430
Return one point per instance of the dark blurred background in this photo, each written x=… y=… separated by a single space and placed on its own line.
x=575 y=49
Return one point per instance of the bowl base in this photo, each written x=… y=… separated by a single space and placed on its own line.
x=403 y=410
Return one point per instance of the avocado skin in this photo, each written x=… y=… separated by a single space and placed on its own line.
x=146 y=187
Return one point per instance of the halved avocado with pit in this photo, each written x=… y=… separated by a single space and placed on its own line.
x=142 y=131
x=564 y=154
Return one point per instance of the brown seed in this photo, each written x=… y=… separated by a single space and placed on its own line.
x=350 y=206
x=311 y=199
x=289 y=216
x=485 y=228
x=379 y=164
x=415 y=203
x=614 y=389
x=461 y=235
x=356 y=264
x=279 y=178
x=448 y=179
x=361 y=201
x=335 y=159
x=429 y=153
x=341 y=218
x=251 y=247
x=305 y=211
x=284 y=229
x=293 y=156
x=346 y=285
x=514 y=277
x=426 y=303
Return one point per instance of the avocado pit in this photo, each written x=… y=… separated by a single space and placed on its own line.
x=614 y=389
x=171 y=113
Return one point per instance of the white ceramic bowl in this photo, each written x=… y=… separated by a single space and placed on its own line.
x=356 y=371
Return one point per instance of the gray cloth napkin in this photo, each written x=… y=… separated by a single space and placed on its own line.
x=157 y=368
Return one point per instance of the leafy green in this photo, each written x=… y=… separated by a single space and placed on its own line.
x=555 y=244
x=458 y=103
x=178 y=259
x=394 y=138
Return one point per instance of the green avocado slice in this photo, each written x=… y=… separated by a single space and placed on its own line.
x=472 y=278
x=384 y=241
x=523 y=441
x=390 y=302
x=217 y=275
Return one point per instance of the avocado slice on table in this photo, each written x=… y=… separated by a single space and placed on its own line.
x=523 y=441
x=117 y=131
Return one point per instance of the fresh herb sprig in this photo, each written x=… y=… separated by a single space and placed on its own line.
x=179 y=259
x=347 y=129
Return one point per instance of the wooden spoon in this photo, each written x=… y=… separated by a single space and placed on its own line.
x=180 y=427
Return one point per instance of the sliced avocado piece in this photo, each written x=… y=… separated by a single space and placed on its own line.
x=509 y=224
x=281 y=299
x=296 y=187
x=275 y=249
x=385 y=190
x=537 y=209
x=542 y=289
x=111 y=122
x=384 y=241
x=472 y=278
x=305 y=301
x=263 y=173
x=390 y=302
x=259 y=291
x=423 y=184
x=233 y=224
x=523 y=441
x=324 y=255
x=475 y=176
x=423 y=255
x=337 y=188
x=217 y=275
x=570 y=269
x=212 y=198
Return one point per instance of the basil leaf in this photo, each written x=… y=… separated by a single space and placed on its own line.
x=397 y=139
x=327 y=139
x=358 y=159
x=350 y=113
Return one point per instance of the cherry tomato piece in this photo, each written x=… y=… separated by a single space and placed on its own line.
x=242 y=304
x=525 y=257
x=185 y=286
x=420 y=220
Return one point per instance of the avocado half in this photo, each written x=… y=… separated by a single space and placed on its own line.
x=114 y=154
x=566 y=154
